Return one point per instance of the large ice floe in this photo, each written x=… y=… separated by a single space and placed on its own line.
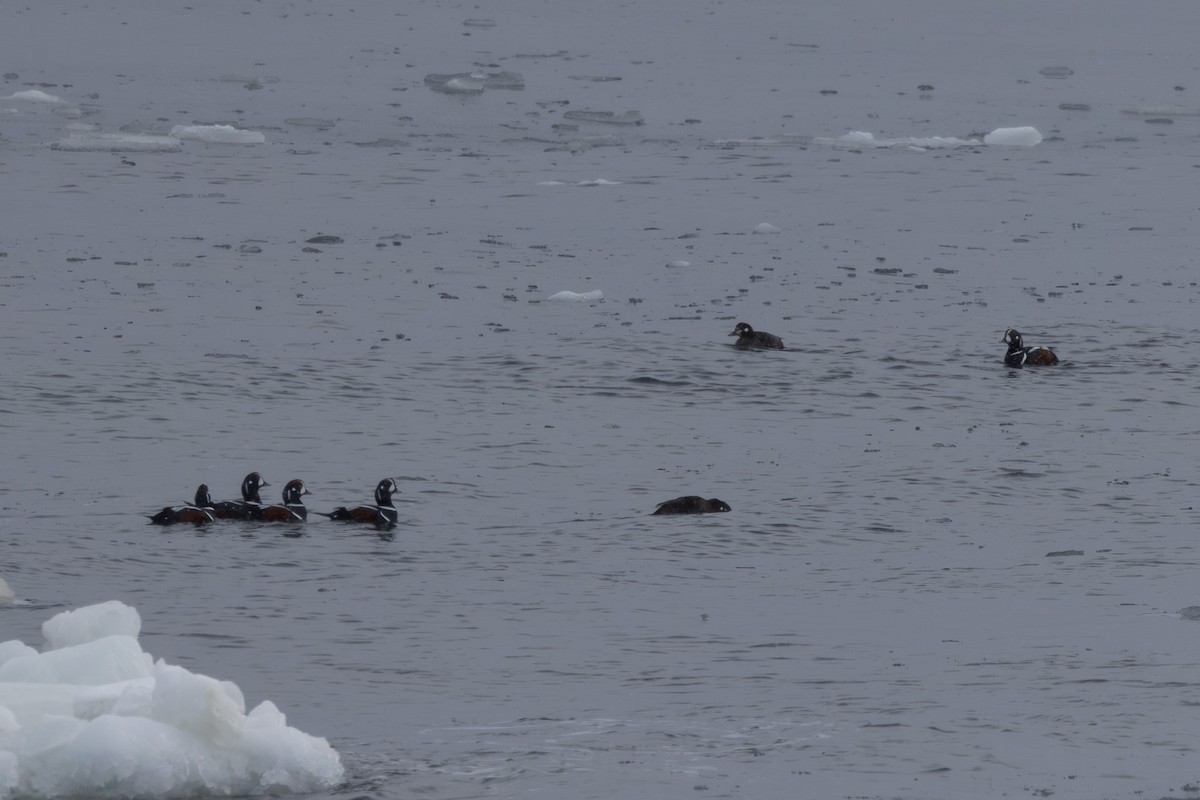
x=1023 y=136
x=83 y=137
x=94 y=716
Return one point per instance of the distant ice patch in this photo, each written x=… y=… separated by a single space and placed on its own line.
x=217 y=134
x=592 y=182
x=631 y=117
x=34 y=96
x=81 y=141
x=1163 y=111
x=92 y=715
x=474 y=82
x=765 y=227
x=577 y=297
x=1025 y=136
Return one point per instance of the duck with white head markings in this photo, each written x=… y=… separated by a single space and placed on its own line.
x=1019 y=355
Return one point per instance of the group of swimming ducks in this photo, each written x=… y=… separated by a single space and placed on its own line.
x=202 y=510
x=383 y=514
x=1018 y=354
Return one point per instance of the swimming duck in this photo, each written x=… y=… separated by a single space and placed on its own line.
x=198 y=512
x=1018 y=355
x=748 y=337
x=249 y=507
x=293 y=509
x=692 y=504
x=382 y=515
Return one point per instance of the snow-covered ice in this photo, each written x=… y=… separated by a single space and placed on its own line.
x=93 y=715
x=34 y=96
x=217 y=134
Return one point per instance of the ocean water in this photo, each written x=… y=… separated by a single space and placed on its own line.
x=941 y=577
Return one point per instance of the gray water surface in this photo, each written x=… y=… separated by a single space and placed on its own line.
x=941 y=578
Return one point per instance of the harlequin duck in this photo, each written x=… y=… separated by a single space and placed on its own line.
x=1018 y=355
x=691 y=504
x=748 y=337
x=249 y=507
x=292 y=510
x=382 y=515
x=198 y=512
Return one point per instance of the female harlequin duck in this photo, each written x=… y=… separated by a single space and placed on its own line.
x=249 y=507
x=292 y=510
x=1018 y=355
x=748 y=337
x=382 y=515
x=198 y=512
x=691 y=504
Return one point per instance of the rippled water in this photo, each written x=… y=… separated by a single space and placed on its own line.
x=941 y=577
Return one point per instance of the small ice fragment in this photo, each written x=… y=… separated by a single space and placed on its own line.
x=6 y=593
x=1025 y=136
x=599 y=182
x=474 y=82
x=576 y=297
x=631 y=117
x=679 y=263
x=1056 y=72
x=218 y=134
x=858 y=137
x=34 y=96
x=550 y=183
x=765 y=227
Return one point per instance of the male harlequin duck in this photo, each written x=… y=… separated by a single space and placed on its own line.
x=249 y=507
x=198 y=512
x=292 y=510
x=382 y=515
x=748 y=337
x=691 y=504
x=1018 y=355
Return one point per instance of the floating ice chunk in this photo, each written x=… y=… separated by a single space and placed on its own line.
x=605 y=117
x=576 y=297
x=593 y=182
x=82 y=141
x=7 y=595
x=88 y=624
x=211 y=709
x=474 y=82
x=217 y=134
x=168 y=733
x=1021 y=137
x=106 y=660
x=1025 y=136
x=866 y=139
x=765 y=227
x=12 y=649
x=679 y=263
x=34 y=96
